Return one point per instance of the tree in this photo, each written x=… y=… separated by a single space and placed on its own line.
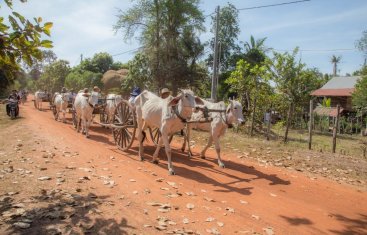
x=99 y=63
x=255 y=51
x=21 y=41
x=361 y=44
x=139 y=73
x=294 y=81
x=53 y=77
x=37 y=68
x=227 y=36
x=335 y=60
x=251 y=80
x=167 y=32
x=359 y=96
x=79 y=79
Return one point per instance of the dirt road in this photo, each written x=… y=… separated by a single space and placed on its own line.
x=95 y=188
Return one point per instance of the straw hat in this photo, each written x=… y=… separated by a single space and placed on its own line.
x=96 y=89
x=165 y=90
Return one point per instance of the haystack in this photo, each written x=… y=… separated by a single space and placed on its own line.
x=112 y=79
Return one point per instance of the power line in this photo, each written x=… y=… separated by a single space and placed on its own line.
x=125 y=52
x=319 y=50
x=272 y=5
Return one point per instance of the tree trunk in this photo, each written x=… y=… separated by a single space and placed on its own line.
x=289 y=119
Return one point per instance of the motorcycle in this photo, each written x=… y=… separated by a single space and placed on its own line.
x=13 y=108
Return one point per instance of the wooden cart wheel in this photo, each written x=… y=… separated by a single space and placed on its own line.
x=125 y=125
x=155 y=135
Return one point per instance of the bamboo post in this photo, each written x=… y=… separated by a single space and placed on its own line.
x=310 y=126
x=335 y=128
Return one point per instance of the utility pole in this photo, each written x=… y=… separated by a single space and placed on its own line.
x=215 y=60
x=81 y=58
x=310 y=125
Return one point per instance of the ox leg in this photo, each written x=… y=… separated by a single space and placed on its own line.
x=83 y=126
x=57 y=115
x=156 y=152
x=187 y=139
x=78 y=122
x=63 y=118
x=87 y=124
x=210 y=141
x=184 y=143
x=140 y=139
x=167 y=147
x=217 y=149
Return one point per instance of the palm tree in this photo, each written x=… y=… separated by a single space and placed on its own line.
x=335 y=60
x=255 y=50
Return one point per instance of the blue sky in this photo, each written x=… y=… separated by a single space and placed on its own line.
x=317 y=27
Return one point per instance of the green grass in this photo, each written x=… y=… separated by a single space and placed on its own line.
x=298 y=141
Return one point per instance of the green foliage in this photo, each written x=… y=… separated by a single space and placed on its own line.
x=20 y=41
x=53 y=77
x=118 y=66
x=79 y=79
x=359 y=96
x=255 y=51
x=278 y=127
x=361 y=44
x=139 y=74
x=326 y=102
x=227 y=36
x=293 y=79
x=100 y=63
x=37 y=68
x=168 y=35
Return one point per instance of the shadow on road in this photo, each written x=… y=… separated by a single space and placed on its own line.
x=197 y=170
x=297 y=220
x=352 y=225
x=61 y=212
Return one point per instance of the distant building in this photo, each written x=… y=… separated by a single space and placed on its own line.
x=339 y=90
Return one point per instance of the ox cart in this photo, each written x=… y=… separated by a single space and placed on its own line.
x=46 y=97
x=123 y=123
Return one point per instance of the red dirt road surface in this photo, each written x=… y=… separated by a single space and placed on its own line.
x=128 y=196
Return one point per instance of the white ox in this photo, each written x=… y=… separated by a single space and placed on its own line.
x=166 y=114
x=61 y=104
x=38 y=96
x=112 y=101
x=84 y=105
x=222 y=118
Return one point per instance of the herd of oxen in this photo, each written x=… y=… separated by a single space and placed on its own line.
x=169 y=115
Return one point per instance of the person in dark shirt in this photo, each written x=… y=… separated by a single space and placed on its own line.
x=12 y=97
